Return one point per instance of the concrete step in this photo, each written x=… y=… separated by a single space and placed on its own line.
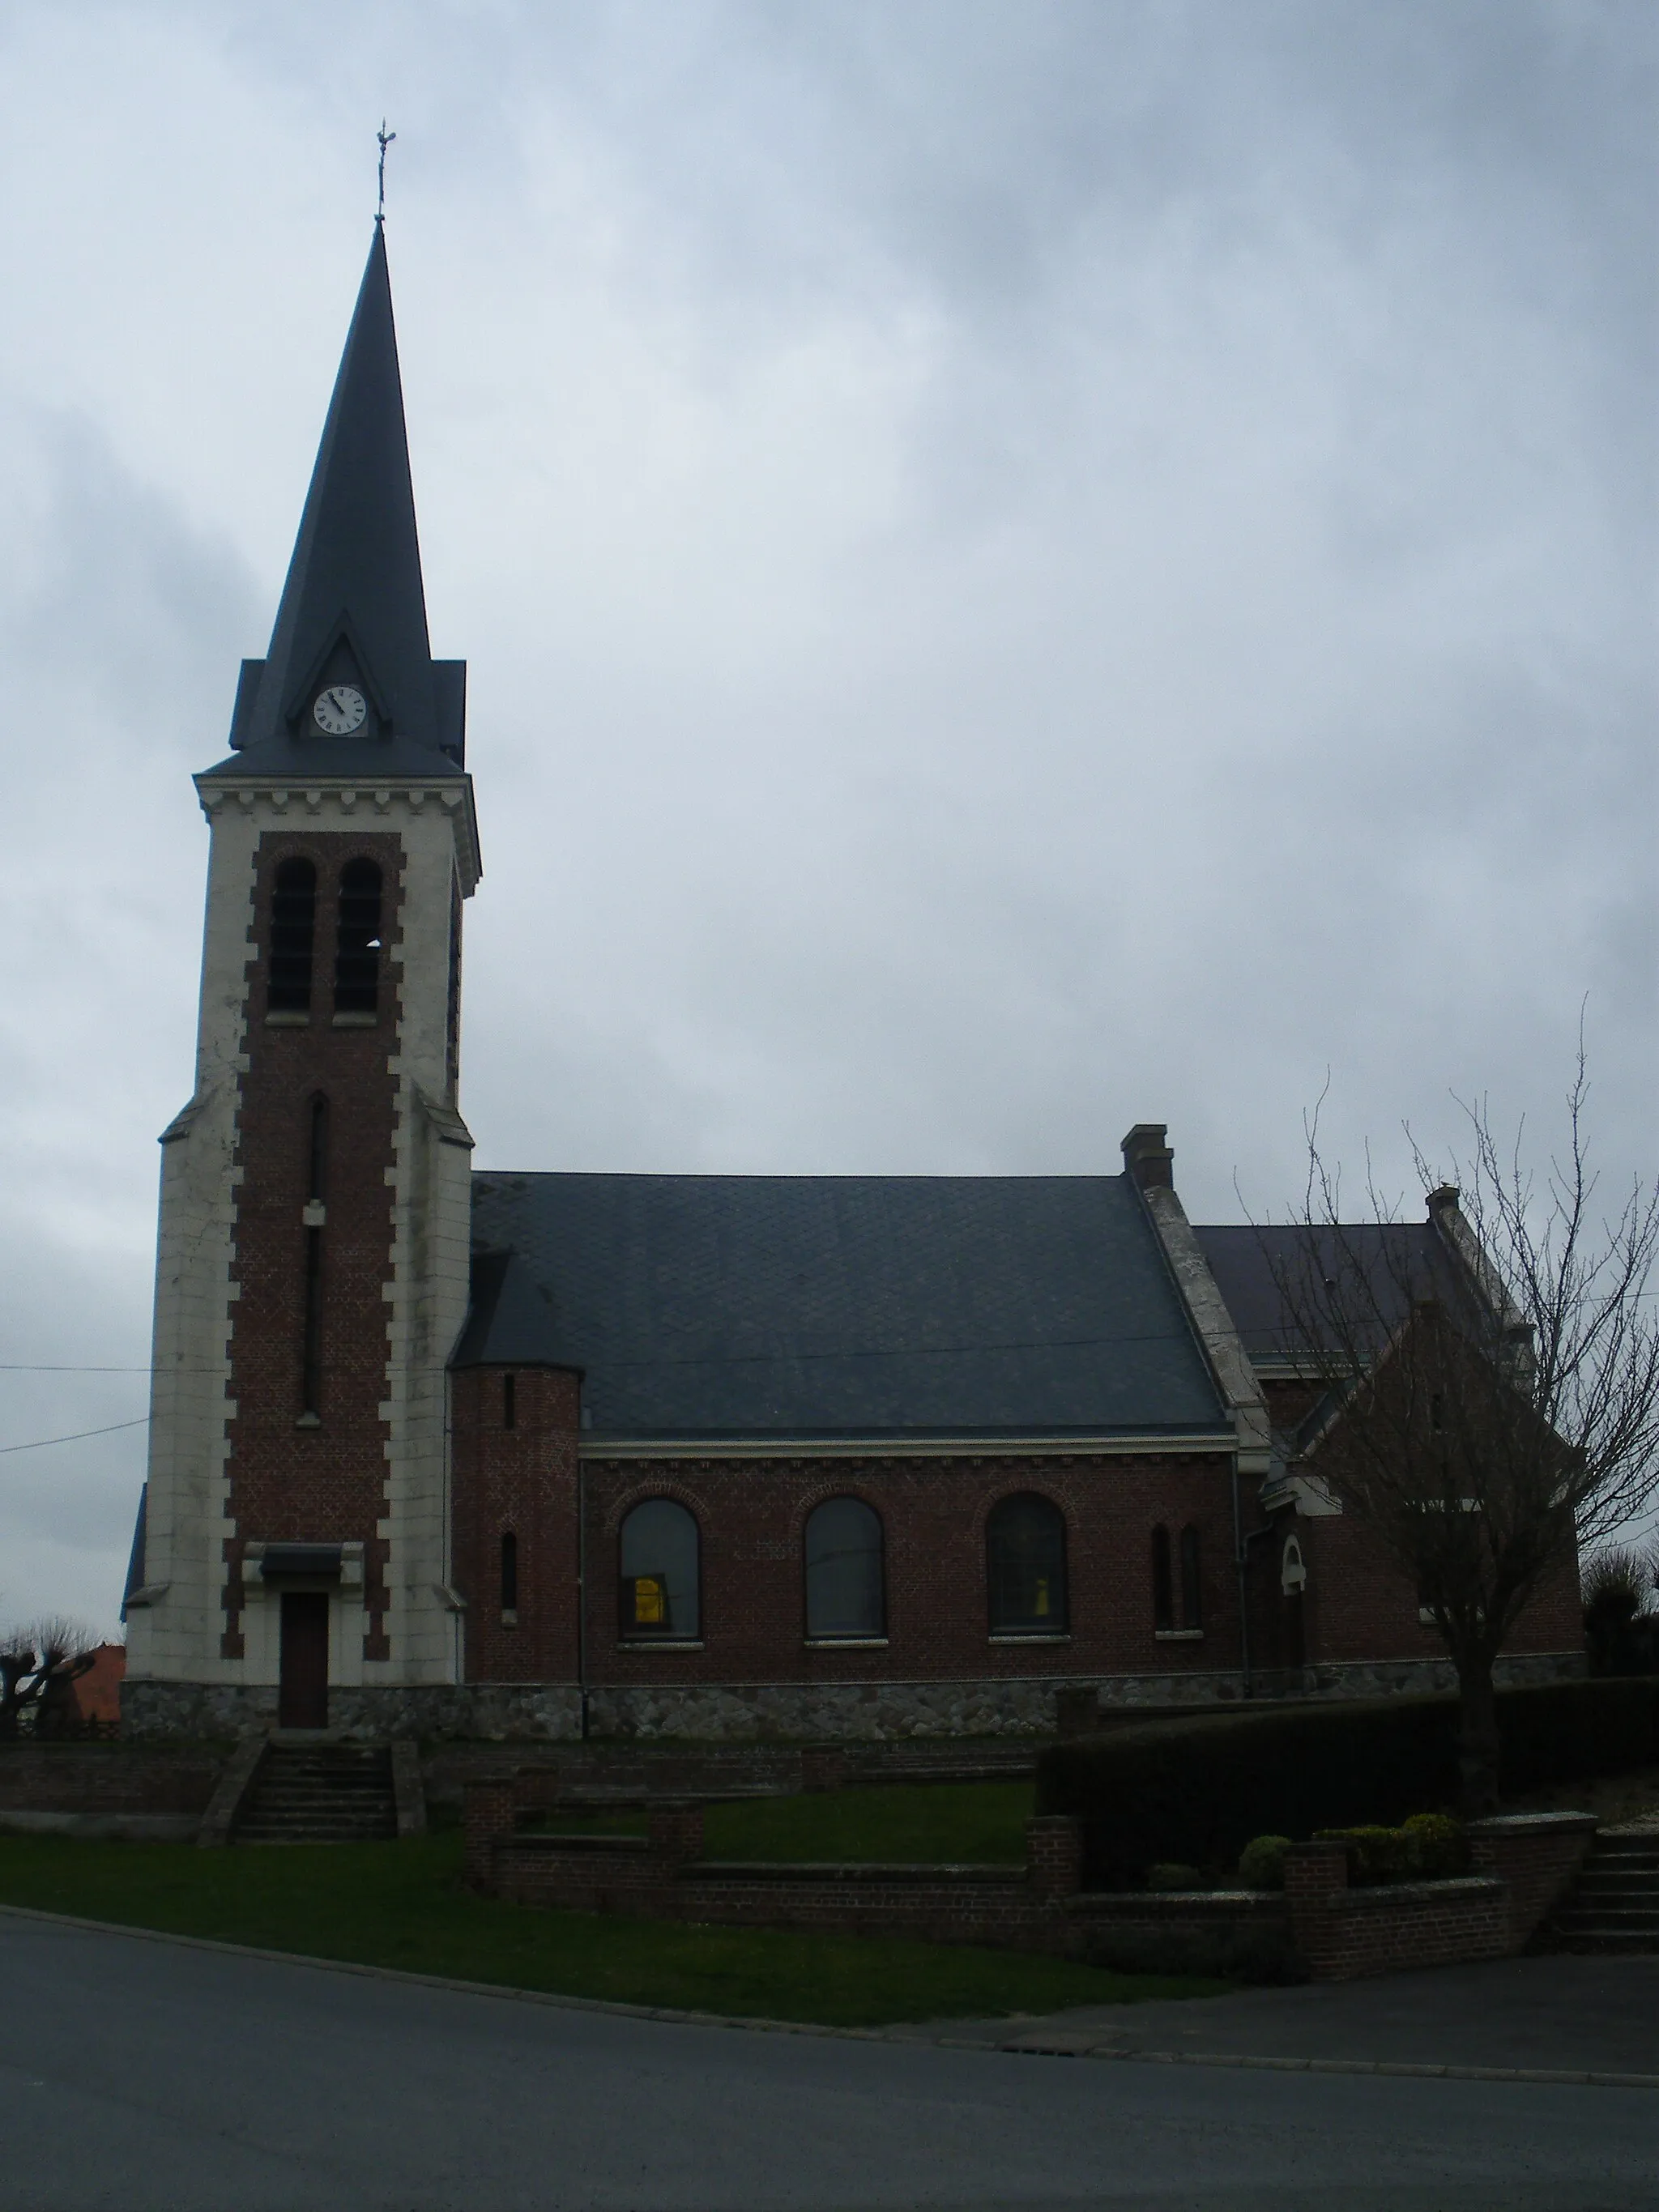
x=320 y=1794
x=1614 y=1904
x=1638 y=1942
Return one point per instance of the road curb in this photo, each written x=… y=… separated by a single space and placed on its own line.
x=1076 y=2045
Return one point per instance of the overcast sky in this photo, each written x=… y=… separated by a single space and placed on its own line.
x=1026 y=566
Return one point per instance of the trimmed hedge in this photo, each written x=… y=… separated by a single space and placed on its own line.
x=1198 y=1790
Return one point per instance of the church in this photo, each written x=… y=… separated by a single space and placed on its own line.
x=438 y=1451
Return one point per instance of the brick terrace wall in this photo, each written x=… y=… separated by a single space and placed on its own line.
x=662 y=1877
x=1332 y=1932
x=71 y=1777
x=1537 y=1857
x=326 y=1483
x=1341 y=1933
x=638 y=1771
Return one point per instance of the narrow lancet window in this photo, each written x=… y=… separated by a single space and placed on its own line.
x=1192 y=1581
x=509 y=1572
x=293 y=920
x=311 y=1354
x=357 y=939
x=509 y=1402
x=1163 y=1582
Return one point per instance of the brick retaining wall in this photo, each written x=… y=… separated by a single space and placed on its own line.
x=1320 y=1928
x=1537 y=1857
x=98 y=1779
x=1340 y=1933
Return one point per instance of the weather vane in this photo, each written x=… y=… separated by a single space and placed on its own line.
x=384 y=138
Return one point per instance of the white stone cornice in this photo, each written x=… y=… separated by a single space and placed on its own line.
x=1155 y=1443
x=340 y=799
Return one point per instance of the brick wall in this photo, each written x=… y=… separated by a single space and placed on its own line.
x=1321 y=1926
x=752 y=1518
x=70 y=1777
x=519 y=1480
x=291 y=1480
x=1359 y=1605
x=1341 y=1934
x=1537 y=1857
x=663 y=1877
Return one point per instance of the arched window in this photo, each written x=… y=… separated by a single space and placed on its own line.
x=293 y=919
x=509 y=1572
x=658 y=1572
x=1025 y=1563
x=1192 y=1582
x=357 y=939
x=1163 y=1582
x=844 y=1594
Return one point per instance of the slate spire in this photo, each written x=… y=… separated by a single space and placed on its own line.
x=353 y=606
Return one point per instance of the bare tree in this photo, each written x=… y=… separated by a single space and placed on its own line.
x=1619 y=1583
x=1489 y=1383
x=39 y=1665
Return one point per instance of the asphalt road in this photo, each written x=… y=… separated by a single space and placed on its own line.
x=137 y=2074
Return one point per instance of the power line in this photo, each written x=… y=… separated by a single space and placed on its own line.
x=40 y=1443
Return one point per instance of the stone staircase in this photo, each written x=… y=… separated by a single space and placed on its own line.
x=320 y=1793
x=1614 y=1905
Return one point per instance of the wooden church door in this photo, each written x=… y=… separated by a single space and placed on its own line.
x=303 y=1692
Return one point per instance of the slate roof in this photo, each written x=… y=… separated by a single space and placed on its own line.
x=355 y=574
x=1251 y=1264
x=772 y=1306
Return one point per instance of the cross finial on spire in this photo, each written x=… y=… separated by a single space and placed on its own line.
x=383 y=139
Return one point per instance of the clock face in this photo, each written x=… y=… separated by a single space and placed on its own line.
x=340 y=710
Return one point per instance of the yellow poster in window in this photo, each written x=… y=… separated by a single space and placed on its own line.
x=1041 y=1608
x=650 y=1602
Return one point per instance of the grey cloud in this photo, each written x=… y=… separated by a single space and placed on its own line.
x=1025 y=567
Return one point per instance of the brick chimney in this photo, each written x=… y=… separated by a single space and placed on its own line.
x=1146 y=1158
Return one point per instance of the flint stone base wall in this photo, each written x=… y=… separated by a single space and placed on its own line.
x=889 y=1712
x=871 y=1712
x=738 y=1712
x=495 y=1712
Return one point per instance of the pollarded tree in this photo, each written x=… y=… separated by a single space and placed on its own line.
x=39 y=1665
x=1490 y=1388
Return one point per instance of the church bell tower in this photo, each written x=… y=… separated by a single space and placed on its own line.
x=312 y=1275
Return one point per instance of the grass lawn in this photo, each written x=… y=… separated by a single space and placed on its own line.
x=930 y=1823
x=402 y=1904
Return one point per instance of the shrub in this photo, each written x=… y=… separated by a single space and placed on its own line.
x=1198 y=1790
x=1436 y=1845
x=1172 y=1875
x=1429 y=1847
x=1375 y=1854
x=1261 y=1862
